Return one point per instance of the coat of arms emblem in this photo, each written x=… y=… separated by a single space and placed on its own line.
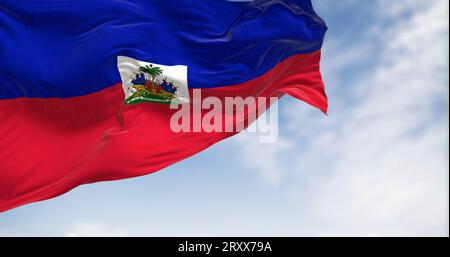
x=150 y=82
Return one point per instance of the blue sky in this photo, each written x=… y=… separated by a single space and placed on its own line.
x=377 y=165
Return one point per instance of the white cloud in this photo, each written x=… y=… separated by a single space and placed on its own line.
x=377 y=165
x=266 y=161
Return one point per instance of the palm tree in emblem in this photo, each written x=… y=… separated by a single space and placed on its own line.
x=153 y=72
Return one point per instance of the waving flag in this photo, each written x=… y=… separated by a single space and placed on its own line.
x=85 y=86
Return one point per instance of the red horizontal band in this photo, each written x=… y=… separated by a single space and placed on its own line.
x=49 y=146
